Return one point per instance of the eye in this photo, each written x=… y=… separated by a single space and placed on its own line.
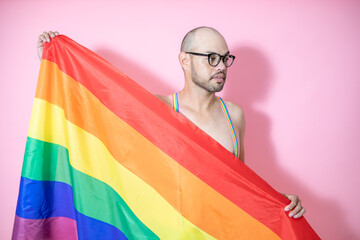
x=226 y=59
x=213 y=58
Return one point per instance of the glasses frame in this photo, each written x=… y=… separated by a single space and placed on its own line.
x=220 y=57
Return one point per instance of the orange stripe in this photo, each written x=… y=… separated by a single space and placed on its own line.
x=183 y=190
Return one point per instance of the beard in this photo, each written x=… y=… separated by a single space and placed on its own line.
x=206 y=84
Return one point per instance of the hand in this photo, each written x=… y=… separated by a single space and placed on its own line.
x=295 y=205
x=43 y=38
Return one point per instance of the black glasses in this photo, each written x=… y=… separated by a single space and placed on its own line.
x=215 y=58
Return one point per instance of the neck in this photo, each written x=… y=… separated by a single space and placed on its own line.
x=197 y=98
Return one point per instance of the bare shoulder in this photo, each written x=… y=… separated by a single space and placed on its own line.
x=165 y=99
x=236 y=114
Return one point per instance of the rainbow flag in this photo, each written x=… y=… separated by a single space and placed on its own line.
x=105 y=159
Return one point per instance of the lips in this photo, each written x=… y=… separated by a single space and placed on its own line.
x=219 y=78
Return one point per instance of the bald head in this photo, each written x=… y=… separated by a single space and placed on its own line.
x=199 y=36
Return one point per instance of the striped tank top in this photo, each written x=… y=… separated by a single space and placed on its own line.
x=175 y=99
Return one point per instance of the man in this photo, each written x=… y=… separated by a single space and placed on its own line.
x=204 y=58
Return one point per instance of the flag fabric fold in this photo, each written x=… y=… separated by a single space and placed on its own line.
x=105 y=159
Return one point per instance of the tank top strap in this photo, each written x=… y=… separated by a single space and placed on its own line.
x=175 y=99
x=231 y=126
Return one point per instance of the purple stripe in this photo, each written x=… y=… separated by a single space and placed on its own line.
x=55 y=228
x=48 y=199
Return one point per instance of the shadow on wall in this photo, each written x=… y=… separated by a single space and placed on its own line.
x=252 y=71
x=249 y=82
x=145 y=78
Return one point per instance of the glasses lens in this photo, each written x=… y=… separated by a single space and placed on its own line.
x=228 y=60
x=214 y=59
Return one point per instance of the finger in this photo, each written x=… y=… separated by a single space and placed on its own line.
x=41 y=41
x=52 y=34
x=47 y=36
x=294 y=201
x=296 y=210
x=300 y=214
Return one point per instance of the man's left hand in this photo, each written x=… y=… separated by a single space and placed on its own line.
x=295 y=205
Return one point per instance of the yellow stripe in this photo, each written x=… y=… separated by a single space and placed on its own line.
x=174 y=102
x=96 y=161
x=186 y=193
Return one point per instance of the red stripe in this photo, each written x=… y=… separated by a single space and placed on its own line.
x=238 y=183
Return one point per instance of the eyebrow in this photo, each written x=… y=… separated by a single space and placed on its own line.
x=218 y=53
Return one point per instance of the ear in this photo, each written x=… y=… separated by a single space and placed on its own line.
x=184 y=60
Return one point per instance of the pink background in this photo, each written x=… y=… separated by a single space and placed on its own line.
x=297 y=77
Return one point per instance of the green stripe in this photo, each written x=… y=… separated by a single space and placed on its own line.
x=45 y=161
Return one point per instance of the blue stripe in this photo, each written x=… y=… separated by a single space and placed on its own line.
x=45 y=199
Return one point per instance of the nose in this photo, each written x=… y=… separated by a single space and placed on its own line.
x=221 y=66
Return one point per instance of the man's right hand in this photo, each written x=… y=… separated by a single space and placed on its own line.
x=43 y=38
